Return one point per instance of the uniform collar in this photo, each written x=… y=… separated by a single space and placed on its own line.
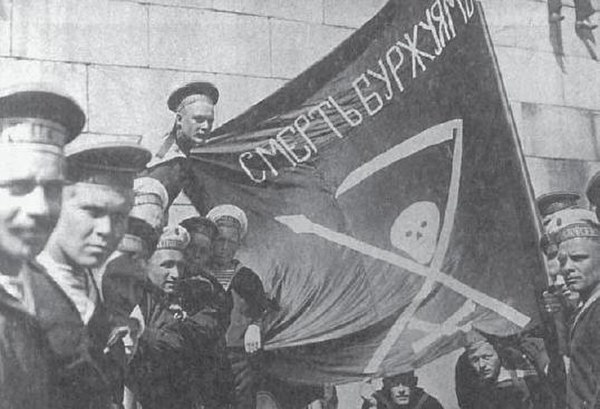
x=593 y=297
x=77 y=283
x=18 y=289
x=169 y=150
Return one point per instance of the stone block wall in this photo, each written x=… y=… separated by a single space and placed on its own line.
x=121 y=58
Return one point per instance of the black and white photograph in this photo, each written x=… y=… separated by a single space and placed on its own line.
x=299 y=204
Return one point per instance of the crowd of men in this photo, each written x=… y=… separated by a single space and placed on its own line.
x=105 y=304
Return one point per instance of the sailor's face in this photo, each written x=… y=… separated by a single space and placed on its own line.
x=123 y=282
x=92 y=223
x=198 y=252
x=226 y=245
x=196 y=121
x=400 y=394
x=165 y=268
x=485 y=361
x=580 y=263
x=31 y=200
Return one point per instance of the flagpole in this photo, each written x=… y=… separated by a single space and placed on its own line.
x=557 y=345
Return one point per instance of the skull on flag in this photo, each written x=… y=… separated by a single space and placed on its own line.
x=415 y=231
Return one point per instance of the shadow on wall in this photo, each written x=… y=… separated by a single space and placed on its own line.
x=583 y=28
x=3 y=10
x=587 y=36
x=551 y=175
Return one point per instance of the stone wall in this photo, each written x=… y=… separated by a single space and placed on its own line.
x=121 y=58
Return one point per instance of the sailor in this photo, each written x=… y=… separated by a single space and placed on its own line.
x=400 y=392
x=503 y=374
x=125 y=270
x=579 y=255
x=169 y=368
x=557 y=209
x=151 y=202
x=560 y=296
x=550 y=203
x=249 y=303
x=89 y=364
x=194 y=107
x=35 y=123
x=215 y=305
x=202 y=234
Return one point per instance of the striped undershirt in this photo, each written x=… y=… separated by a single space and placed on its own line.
x=224 y=277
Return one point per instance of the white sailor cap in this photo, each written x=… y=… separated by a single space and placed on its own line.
x=173 y=238
x=228 y=214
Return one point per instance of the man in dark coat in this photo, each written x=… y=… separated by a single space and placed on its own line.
x=175 y=350
x=578 y=244
x=217 y=304
x=35 y=123
x=503 y=375
x=400 y=392
x=89 y=366
x=123 y=279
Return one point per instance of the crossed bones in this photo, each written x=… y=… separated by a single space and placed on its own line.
x=435 y=135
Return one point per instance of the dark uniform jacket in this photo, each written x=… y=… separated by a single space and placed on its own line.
x=419 y=399
x=84 y=374
x=175 y=353
x=528 y=387
x=24 y=355
x=583 y=379
x=248 y=303
x=172 y=168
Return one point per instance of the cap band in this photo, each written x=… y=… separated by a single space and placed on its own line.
x=32 y=130
x=191 y=99
x=174 y=237
x=229 y=221
x=17 y=160
x=131 y=243
x=577 y=230
x=147 y=199
x=172 y=244
x=98 y=175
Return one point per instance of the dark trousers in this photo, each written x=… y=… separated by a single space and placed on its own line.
x=583 y=8
x=245 y=370
x=217 y=389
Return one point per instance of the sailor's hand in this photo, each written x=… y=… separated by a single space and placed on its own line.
x=178 y=312
x=366 y=391
x=116 y=334
x=252 y=342
x=552 y=302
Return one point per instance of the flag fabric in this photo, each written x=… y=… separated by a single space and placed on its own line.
x=388 y=209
